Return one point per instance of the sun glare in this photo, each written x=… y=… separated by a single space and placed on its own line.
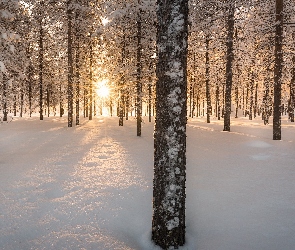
x=102 y=90
x=104 y=21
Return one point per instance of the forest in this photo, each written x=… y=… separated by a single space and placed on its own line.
x=167 y=62
x=90 y=57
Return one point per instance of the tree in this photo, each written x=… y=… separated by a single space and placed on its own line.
x=229 y=62
x=168 y=225
x=278 y=71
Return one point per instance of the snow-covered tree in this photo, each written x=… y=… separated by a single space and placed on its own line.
x=168 y=226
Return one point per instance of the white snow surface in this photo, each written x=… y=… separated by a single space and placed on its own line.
x=90 y=186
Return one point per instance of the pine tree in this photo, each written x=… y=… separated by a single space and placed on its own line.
x=168 y=225
x=278 y=71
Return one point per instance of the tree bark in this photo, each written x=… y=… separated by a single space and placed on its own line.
x=138 y=76
x=41 y=66
x=292 y=90
x=229 y=62
x=77 y=68
x=91 y=80
x=4 y=98
x=278 y=71
x=168 y=225
x=70 y=65
x=208 y=97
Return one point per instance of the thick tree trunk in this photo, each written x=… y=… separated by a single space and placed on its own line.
x=168 y=225
x=208 y=96
x=291 y=104
x=278 y=71
x=138 y=76
x=41 y=66
x=70 y=66
x=77 y=80
x=292 y=93
x=229 y=62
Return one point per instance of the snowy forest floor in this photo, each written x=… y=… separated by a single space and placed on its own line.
x=90 y=186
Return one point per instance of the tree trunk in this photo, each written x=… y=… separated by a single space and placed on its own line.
x=48 y=99
x=217 y=102
x=292 y=93
x=278 y=71
x=41 y=66
x=4 y=98
x=70 y=66
x=21 y=101
x=91 y=81
x=256 y=100
x=168 y=225
x=30 y=79
x=229 y=62
x=14 y=104
x=138 y=76
x=122 y=83
x=77 y=62
x=127 y=104
x=237 y=101
x=150 y=100
x=251 y=96
x=292 y=88
x=191 y=97
x=208 y=97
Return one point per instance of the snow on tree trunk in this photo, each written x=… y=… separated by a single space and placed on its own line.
x=168 y=225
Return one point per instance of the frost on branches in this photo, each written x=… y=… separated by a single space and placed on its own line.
x=168 y=229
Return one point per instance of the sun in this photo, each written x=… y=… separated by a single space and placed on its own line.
x=102 y=89
x=104 y=21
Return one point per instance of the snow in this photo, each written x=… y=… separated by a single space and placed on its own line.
x=90 y=186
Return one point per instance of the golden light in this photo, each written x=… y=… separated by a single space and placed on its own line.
x=102 y=90
x=104 y=21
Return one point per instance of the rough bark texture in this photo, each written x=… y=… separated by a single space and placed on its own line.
x=4 y=98
x=292 y=90
x=229 y=62
x=70 y=67
x=122 y=83
x=90 y=80
x=278 y=71
x=138 y=77
x=168 y=225
x=208 y=96
x=77 y=68
x=41 y=66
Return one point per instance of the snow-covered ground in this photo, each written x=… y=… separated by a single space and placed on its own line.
x=90 y=186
